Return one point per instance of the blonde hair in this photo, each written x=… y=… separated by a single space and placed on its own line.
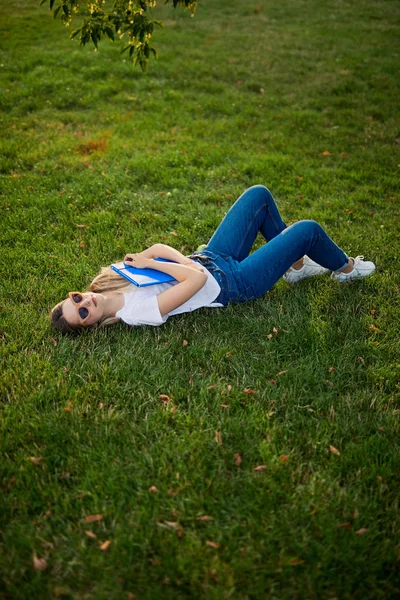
x=106 y=281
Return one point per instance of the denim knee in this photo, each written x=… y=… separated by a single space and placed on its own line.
x=262 y=188
x=309 y=226
x=264 y=196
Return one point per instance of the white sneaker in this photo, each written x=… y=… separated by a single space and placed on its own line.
x=361 y=269
x=309 y=269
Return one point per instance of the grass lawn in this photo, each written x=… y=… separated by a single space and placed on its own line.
x=128 y=456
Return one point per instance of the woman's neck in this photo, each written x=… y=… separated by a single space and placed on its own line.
x=114 y=301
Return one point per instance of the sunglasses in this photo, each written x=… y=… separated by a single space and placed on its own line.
x=77 y=298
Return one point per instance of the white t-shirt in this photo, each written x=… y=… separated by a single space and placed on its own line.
x=141 y=306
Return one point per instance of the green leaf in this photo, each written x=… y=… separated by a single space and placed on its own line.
x=75 y=33
x=109 y=32
x=95 y=38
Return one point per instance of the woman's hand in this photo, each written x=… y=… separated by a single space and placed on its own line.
x=138 y=260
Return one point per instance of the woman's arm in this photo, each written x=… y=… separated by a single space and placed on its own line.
x=164 y=251
x=190 y=281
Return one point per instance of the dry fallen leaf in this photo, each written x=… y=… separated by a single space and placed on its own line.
x=90 y=534
x=204 y=518
x=164 y=397
x=69 y=406
x=105 y=545
x=185 y=343
x=93 y=518
x=260 y=468
x=347 y=526
x=35 y=460
x=375 y=329
x=224 y=405
x=332 y=370
x=249 y=391
x=153 y=488
x=334 y=450
x=218 y=438
x=212 y=386
x=238 y=460
x=361 y=531
x=173 y=524
x=54 y=342
x=80 y=226
x=281 y=373
x=284 y=458
x=326 y=153
x=270 y=336
x=295 y=561
x=40 y=564
x=213 y=544
x=355 y=514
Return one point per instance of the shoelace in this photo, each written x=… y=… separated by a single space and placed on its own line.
x=358 y=259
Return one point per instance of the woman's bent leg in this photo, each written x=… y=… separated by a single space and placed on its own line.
x=263 y=268
x=254 y=211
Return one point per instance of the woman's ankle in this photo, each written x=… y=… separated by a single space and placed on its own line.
x=298 y=264
x=349 y=267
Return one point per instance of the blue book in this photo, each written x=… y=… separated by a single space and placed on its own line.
x=142 y=277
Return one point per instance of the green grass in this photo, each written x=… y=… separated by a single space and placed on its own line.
x=87 y=140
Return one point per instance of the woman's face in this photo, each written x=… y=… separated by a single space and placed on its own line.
x=83 y=309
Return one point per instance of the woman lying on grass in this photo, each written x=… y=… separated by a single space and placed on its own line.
x=221 y=274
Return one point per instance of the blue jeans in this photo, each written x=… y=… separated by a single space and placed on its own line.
x=244 y=276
